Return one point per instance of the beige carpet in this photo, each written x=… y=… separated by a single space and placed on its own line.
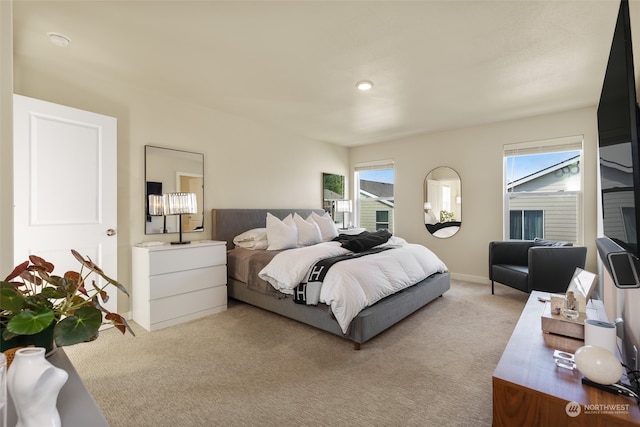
x=248 y=367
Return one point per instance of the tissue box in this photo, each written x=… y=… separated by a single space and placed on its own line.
x=573 y=328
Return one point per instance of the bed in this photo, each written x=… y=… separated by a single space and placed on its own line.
x=444 y=229
x=372 y=320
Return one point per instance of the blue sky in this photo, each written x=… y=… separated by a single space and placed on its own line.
x=526 y=165
x=385 y=175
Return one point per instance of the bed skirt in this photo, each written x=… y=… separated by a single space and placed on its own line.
x=367 y=324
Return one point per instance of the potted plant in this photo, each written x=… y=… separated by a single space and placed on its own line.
x=34 y=301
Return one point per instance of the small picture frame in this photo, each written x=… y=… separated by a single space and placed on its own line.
x=582 y=284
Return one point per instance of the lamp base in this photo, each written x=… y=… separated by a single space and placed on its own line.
x=180 y=243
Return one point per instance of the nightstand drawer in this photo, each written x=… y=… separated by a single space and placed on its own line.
x=177 y=306
x=179 y=282
x=186 y=258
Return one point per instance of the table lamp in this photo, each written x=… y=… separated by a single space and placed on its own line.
x=179 y=204
x=343 y=206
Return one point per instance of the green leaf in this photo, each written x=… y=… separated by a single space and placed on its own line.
x=6 y=335
x=52 y=293
x=30 y=322
x=80 y=327
x=36 y=302
x=10 y=299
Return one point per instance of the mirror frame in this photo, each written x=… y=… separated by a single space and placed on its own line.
x=165 y=169
x=446 y=222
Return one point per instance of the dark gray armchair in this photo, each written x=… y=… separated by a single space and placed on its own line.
x=534 y=265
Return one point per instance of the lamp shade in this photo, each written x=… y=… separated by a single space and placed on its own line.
x=156 y=206
x=179 y=203
x=343 y=206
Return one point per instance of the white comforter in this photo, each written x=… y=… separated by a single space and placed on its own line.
x=352 y=285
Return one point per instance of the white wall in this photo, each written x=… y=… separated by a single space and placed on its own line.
x=246 y=164
x=476 y=153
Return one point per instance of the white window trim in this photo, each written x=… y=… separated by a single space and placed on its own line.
x=574 y=142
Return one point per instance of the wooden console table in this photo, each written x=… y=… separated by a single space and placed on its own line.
x=530 y=390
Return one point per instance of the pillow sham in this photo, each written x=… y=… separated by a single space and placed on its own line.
x=308 y=231
x=281 y=234
x=255 y=238
x=327 y=227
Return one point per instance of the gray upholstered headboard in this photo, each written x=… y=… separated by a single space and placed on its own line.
x=228 y=223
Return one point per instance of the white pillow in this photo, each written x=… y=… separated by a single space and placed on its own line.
x=281 y=234
x=308 y=231
x=328 y=228
x=430 y=218
x=255 y=238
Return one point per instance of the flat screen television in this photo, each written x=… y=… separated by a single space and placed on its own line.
x=619 y=158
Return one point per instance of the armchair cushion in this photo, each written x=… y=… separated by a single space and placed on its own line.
x=517 y=276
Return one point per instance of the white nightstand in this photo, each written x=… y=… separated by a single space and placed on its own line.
x=351 y=231
x=177 y=283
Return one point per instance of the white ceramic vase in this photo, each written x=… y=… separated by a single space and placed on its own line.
x=34 y=384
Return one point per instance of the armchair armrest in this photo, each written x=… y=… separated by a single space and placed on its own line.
x=551 y=268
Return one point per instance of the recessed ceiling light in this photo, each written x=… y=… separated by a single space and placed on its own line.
x=59 y=39
x=364 y=84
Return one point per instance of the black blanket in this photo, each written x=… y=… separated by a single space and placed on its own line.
x=363 y=241
x=308 y=292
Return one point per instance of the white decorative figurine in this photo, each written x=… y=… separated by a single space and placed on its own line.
x=34 y=384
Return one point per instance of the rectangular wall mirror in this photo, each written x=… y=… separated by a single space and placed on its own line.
x=332 y=190
x=171 y=171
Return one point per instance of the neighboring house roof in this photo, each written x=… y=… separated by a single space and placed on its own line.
x=332 y=195
x=615 y=176
x=542 y=172
x=377 y=189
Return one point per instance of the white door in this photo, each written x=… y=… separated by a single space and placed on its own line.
x=65 y=186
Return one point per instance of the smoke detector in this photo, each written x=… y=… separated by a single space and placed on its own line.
x=59 y=39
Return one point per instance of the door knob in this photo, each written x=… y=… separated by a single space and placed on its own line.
x=111 y=232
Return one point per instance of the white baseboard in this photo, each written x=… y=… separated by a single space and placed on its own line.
x=470 y=278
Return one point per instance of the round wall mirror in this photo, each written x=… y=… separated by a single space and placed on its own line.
x=442 y=202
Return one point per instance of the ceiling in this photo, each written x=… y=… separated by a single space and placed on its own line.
x=436 y=65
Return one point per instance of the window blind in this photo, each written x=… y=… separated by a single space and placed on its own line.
x=379 y=164
x=546 y=146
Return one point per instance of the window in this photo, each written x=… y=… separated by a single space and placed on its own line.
x=382 y=220
x=525 y=225
x=543 y=190
x=374 y=195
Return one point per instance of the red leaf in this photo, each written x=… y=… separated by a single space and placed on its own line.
x=31 y=277
x=87 y=262
x=40 y=262
x=119 y=322
x=83 y=291
x=17 y=271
